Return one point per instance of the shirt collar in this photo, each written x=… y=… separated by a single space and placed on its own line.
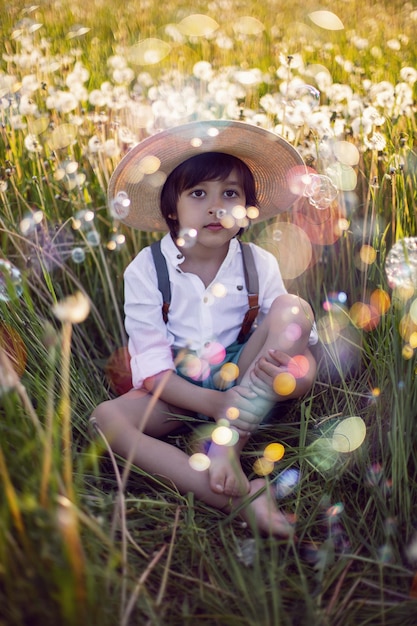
x=175 y=256
x=170 y=251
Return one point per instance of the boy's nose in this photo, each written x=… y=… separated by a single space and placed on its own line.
x=216 y=205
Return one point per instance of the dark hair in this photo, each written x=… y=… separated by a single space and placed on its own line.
x=200 y=168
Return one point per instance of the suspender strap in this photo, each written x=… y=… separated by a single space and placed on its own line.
x=251 y=281
x=252 y=286
x=163 y=277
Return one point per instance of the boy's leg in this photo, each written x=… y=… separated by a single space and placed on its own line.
x=225 y=471
x=121 y=421
x=285 y=329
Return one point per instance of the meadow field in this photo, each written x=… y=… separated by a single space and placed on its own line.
x=86 y=539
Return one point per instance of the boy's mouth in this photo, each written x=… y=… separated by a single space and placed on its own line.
x=214 y=226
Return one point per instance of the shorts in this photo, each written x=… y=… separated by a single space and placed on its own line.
x=211 y=373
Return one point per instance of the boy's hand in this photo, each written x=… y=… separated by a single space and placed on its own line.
x=243 y=402
x=265 y=371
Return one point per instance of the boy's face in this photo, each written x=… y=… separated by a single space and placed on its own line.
x=212 y=208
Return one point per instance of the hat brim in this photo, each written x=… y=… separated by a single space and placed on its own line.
x=136 y=183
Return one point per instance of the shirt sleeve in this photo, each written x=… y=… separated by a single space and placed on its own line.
x=149 y=343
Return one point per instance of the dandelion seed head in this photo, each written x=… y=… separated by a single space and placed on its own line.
x=74 y=309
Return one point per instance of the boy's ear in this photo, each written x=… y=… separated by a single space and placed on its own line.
x=172 y=216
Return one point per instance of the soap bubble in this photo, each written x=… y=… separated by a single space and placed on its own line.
x=284 y=384
x=326 y=20
x=78 y=255
x=334 y=511
x=120 y=205
x=386 y=554
x=198 y=25
x=246 y=551
x=286 y=482
x=30 y=222
x=401 y=264
x=274 y=452
x=281 y=239
x=199 y=462
x=78 y=30
x=214 y=353
x=322 y=455
x=116 y=242
x=324 y=226
x=222 y=435
x=346 y=152
x=93 y=238
x=349 y=434
x=63 y=136
x=342 y=176
x=148 y=52
x=298 y=178
x=187 y=237
x=320 y=191
x=248 y=26
x=334 y=301
x=307 y=94
x=83 y=220
x=10 y=281
x=263 y=467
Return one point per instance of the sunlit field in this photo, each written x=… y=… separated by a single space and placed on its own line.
x=87 y=539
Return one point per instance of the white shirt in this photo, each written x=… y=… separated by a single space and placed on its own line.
x=197 y=315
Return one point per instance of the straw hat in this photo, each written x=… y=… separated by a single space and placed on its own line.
x=136 y=183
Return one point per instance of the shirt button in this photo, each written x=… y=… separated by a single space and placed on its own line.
x=205 y=300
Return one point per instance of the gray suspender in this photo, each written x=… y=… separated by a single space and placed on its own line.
x=251 y=281
x=252 y=287
x=164 y=285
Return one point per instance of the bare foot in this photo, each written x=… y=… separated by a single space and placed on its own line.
x=225 y=472
x=263 y=512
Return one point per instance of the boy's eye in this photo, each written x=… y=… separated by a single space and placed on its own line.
x=198 y=193
x=231 y=193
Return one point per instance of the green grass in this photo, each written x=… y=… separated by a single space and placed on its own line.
x=77 y=545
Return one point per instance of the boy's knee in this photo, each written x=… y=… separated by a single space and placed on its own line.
x=101 y=415
x=294 y=310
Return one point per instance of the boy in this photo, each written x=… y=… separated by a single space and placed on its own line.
x=205 y=182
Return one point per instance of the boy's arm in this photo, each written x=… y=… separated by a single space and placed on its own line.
x=178 y=392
